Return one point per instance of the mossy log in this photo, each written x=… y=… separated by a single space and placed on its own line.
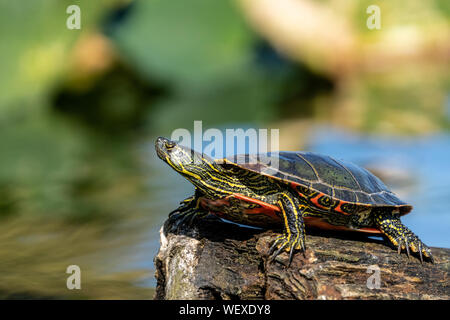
x=210 y=259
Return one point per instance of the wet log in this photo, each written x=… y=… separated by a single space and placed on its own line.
x=211 y=259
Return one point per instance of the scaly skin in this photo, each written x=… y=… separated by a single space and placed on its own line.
x=400 y=236
x=188 y=210
x=293 y=237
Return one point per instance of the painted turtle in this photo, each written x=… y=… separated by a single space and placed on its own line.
x=304 y=188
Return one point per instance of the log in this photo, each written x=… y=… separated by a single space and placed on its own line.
x=211 y=259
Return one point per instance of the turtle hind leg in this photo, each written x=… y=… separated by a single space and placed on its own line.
x=401 y=237
x=293 y=237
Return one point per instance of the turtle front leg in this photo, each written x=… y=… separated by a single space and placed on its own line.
x=293 y=237
x=188 y=210
x=401 y=237
x=186 y=205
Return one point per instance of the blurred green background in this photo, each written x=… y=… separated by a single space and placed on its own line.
x=80 y=109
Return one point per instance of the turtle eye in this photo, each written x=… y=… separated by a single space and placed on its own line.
x=170 y=144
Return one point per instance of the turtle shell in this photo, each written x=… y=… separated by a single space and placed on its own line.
x=341 y=181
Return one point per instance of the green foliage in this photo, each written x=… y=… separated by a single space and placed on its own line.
x=36 y=46
x=185 y=44
x=205 y=54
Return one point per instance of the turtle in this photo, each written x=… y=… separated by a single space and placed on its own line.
x=289 y=190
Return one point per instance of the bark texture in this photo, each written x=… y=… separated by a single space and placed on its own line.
x=211 y=259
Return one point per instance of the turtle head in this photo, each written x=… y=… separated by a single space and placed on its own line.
x=203 y=172
x=173 y=154
x=189 y=163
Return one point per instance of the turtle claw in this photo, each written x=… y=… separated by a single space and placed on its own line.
x=180 y=211
x=180 y=219
x=412 y=244
x=289 y=244
x=420 y=253
x=280 y=248
x=172 y=213
x=187 y=212
x=407 y=248
x=291 y=254
x=403 y=238
x=275 y=245
x=187 y=216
